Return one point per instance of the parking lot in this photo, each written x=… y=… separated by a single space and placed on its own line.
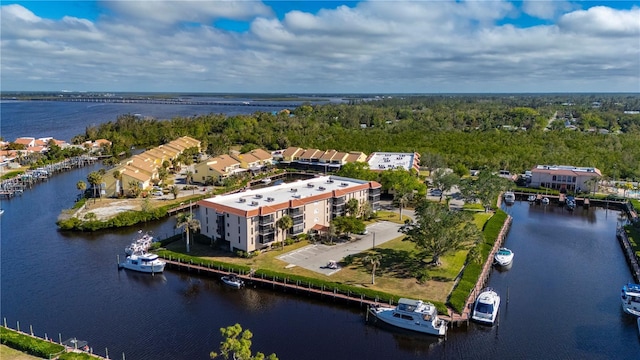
x=316 y=257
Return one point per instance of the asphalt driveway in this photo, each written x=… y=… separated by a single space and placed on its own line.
x=316 y=257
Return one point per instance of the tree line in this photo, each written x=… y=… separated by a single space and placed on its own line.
x=497 y=132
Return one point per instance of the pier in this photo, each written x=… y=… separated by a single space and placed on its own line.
x=284 y=284
x=17 y=185
x=172 y=101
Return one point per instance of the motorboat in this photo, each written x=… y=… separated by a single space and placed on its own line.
x=143 y=262
x=142 y=244
x=413 y=315
x=570 y=203
x=509 y=197
x=486 y=307
x=545 y=201
x=233 y=281
x=266 y=180
x=631 y=299
x=503 y=257
x=531 y=199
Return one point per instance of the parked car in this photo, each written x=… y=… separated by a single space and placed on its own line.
x=157 y=193
x=436 y=192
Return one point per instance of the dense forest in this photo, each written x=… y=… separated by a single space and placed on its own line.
x=475 y=131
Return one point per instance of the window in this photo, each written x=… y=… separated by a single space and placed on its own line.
x=553 y=178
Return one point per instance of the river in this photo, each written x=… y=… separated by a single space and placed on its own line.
x=560 y=298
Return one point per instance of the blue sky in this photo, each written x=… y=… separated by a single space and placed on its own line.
x=375 y=46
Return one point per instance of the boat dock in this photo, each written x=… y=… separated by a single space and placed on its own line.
x=284 y=284
x=17 y=185
x=629 y=253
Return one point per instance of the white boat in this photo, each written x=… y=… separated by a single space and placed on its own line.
x=144 y=262
x=413 y=315
x=141 y=244
x=503 y=257
x=233 y=281
x=486 y=307
x=509 y=197
x=531 y=198
x=570 y=203
x=545 y=201
x=266 y=180
x=1 y=211
x=631 y=299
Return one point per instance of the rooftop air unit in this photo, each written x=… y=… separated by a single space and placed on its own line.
x=242 y=200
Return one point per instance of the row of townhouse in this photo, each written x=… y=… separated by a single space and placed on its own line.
x=332 y=160
x=220 y=167
x=140 y=170
x=248 y=220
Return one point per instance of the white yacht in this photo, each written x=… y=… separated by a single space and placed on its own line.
x=631 y=299
x=144 y=262
x=142 y=244
x=503 y=257
x=545 y=201
x=486 y=307
x=412 y=315
x=509 y=197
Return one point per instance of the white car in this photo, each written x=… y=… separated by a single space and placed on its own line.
x=157 y=193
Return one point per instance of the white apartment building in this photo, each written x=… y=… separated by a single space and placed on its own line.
x=247 y=220
x=562 y=177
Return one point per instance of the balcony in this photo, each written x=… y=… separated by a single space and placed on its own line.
x=265 y=220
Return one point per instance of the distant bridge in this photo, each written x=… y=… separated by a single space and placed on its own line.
x=89 y=99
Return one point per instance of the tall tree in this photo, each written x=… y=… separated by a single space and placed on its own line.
x=284 y=223
x=188 y=223
x=95 y=179
x=81 y=186
x=374 y=261
x=352 y=207
x=439 y=230
x=118 y=176
x=237 y=345
x=444 y=180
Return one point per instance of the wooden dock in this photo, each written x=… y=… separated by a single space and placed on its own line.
x=295 y=286
x=283 y=284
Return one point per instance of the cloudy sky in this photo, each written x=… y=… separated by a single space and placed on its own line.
x=421 y=46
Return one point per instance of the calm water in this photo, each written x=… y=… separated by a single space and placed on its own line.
x=64 y=120
x=560 y=298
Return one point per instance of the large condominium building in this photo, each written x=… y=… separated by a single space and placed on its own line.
x=247 y=220
x=561 y=177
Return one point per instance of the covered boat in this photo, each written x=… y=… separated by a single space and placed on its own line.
x=509 y=197
x=486 y=307
x=503 y=257
x=144 y=262
x=413 y=315
x=631 y=299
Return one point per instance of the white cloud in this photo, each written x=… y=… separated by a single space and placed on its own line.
x=545 y=9
x=379 y=46
x=603 y=21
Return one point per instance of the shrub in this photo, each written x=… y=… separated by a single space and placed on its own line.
x=28 y=344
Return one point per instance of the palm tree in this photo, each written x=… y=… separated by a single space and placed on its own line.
x=134 y=188
x=95 y=179
x=118 y=176
x=284 y=223
x=175 y=191
x=186 y=221
x=81 y=186
x=374 y=260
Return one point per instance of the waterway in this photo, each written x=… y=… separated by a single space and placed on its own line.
x=560 y=298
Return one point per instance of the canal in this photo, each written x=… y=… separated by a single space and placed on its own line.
x=560 y=298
